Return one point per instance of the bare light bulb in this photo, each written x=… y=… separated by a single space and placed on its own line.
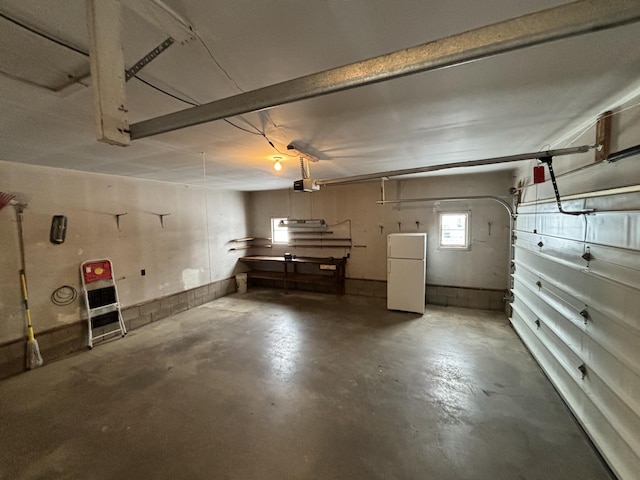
x=277 y=165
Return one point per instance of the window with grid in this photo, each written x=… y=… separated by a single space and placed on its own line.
x=454 y=230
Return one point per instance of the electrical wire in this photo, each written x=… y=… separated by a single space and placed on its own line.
x=257 y=132
x=348 y=220
x=195 y=104
x=215 y=60
x=594 y=122
x=64 y=295
x=339 y=223
x=155 y=87
x=206 y=214
x=191 y=102
x=43 y=35
x=281 y=153
x=188 y=26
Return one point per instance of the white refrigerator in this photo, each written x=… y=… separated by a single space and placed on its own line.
x=406 y=271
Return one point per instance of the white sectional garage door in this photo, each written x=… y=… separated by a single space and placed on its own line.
x=576 y=306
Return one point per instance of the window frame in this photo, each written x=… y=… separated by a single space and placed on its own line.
x=275 y=228
x=467 y=240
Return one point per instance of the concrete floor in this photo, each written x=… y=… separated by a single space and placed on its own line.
x=301 y=386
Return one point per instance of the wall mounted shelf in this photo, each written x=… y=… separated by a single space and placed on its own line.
x=320 y=237
x=250 y=242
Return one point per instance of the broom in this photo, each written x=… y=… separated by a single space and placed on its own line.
x=34 y=359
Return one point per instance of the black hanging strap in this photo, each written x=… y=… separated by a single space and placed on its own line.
x=548 y=161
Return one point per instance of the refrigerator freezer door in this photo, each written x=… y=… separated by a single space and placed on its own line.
x=407 y=245
x=406 y=285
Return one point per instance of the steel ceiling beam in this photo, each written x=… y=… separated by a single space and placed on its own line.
x=565 y=21
x=444 y=166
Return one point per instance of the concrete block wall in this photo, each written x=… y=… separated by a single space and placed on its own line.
x=53 y=343
x=483 y=299
x=158 y=309
x=366 y=288
x=58 y=342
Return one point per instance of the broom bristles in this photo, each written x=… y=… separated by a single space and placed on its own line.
x=5 y=199
x=34 y=359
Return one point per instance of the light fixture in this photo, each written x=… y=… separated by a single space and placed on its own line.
x=277 y=165
x=302 y=152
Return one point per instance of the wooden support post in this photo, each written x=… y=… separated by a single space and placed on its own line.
x=107 y=71
x=603 y=136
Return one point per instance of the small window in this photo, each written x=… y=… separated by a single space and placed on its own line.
x=279 y=232
x=454 y=230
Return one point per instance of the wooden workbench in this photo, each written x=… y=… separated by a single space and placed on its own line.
x=327 y=271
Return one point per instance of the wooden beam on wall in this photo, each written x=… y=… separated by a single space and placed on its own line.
x=107 y=71
x=603 y=136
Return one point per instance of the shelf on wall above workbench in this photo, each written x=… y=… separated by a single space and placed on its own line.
x=250 y=242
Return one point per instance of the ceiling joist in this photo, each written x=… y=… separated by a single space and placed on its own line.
x=107 y=71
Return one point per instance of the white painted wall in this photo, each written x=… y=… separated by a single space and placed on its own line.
x=605 y=400
x=485 y=265
x=586 y=176
x=191 y=250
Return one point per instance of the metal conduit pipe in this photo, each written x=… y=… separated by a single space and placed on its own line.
x=471 y=163
x=612 y=158
x=501 y=201
x=626 y=153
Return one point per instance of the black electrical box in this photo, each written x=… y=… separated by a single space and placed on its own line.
x=58 y=229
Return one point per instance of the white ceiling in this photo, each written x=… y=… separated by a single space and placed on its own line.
x=519 y=102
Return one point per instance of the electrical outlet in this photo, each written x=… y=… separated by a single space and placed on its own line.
x=143 y=272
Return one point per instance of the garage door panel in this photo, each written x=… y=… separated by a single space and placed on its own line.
x=573 y=310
